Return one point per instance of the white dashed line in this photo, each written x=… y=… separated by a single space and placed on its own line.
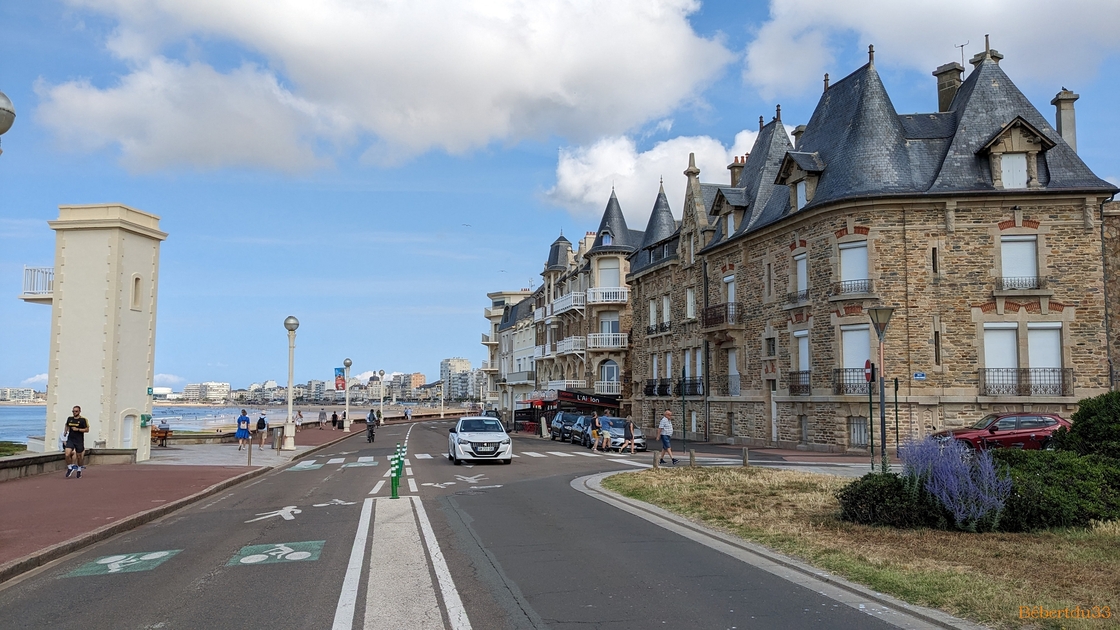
x=348 y=598
x=423 y=456
x=365 y=459
x=412 y=485
x=377 y=487
x=336 y=460
x=560 y=454
x=532 y=454
x=587 y=454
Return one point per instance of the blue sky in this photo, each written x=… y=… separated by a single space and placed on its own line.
x=320 y=159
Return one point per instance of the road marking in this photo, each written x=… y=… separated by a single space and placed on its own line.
x=532 y=454
x=348 y=598
x=377 y=487
x=560 y=454
x=336 y=460
x=422 y=456
x=334 y=502
x=412 y=485
x=514 y=455
x=365 y=459
x=455 y=611
x=408 y=471
x=307 y=551
x=304 y=465
x=634 y=463
x=124 y=563
x=439 y=485
x=475 y=479
x=587 y=454
x=359 y=464
x=398 y=565
x=287 y=513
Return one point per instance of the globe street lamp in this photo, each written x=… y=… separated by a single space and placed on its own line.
x=291 y=323
x=7 y=114
x=880 y=317
x=381 y=396
x=346 y=414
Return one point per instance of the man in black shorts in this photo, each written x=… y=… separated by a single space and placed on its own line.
x=75 y=446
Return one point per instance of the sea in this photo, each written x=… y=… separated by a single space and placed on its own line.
x=19 y=421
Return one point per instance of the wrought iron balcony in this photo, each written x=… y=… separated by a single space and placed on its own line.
x=799 y=384
x=1020 y=283
x=608 y=388
x=849 y=382
x=720 y=314
x=727 y=385
x=664 y=387
x=665 y=326
x=607 y=341
x=650 y=388
x=1026 y=381
x=692 y=386
x=852 y=286
x=651 y=330
x=568 y=302
x=608 y=295
x=797 y=297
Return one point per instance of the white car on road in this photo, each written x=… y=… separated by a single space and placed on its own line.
x=479 y=438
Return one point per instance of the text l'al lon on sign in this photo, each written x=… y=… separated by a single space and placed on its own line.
x=124 y=563
x=279 y=552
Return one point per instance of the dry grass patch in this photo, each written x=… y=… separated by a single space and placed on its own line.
x=984 y=577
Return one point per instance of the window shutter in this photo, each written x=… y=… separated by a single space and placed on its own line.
x=1001 y=345
x=856 y=345
x=1014 y=170
x=853 y=261
x=1044 y=344
x=1020 y=256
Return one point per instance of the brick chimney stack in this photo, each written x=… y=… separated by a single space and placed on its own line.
x=1066 y=122
x=736 y=168
x=948 y=82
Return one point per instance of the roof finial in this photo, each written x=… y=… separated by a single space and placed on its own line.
x=987 y=45
x=778 y=115
x=760 y=123
x=662 y=191
x=871 y=53
x=826 y=82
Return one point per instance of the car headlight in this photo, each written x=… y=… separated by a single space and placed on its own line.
x=464 y=441
x=506 y=441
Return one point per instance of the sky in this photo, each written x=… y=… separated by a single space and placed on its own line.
x=375 y=168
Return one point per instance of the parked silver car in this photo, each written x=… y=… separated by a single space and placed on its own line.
x=617 y=433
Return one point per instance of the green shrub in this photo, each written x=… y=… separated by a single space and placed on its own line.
x=889 y=499
x=1059 y=489
x=1096 y=427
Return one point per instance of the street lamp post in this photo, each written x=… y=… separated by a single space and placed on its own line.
x=880 y=317
x=291 y=323
x=7 y=114
x=381 y=396
x=346 y=414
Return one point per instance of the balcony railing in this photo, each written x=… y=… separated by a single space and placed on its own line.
x=570 y=301
x=720 y=314
x=665 y=326
x=727 y=385
x=608 y=388
x=488 y=340
x=799 y=383
x=538 y=315
x=1019 y=283
x=521 y=378
x=651 y=330
x=568 y=384
x=852 y=286
x=849 y=382
x=571 y=344
x=1026 y=382
x=38 y=284
x=608 y=295
x=538 y=352
x=607 y=341
x=797 y=297
x=692 y=386
x=489 y=366
x=664 y=387
x=650 y=388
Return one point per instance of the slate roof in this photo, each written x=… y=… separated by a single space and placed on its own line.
x=660 y=227
x=623 y=239
x=515 y=313
x=558 y=254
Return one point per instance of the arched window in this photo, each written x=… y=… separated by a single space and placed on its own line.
x=608 y=371
x=606 y=238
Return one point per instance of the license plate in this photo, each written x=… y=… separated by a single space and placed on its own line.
x=485 y=448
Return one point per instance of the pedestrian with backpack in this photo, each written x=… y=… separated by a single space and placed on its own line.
x=262 y=428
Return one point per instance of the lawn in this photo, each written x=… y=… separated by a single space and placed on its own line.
x=11 y=448
x=982 y=577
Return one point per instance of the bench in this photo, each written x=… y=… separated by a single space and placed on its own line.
x=159 y=436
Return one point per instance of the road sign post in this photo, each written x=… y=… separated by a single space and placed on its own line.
x=869 y=375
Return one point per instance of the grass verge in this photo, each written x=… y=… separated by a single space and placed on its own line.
x=11 y=448
x=982 y=577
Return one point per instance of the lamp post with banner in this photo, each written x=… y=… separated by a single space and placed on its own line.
x=346 y=383
x=880 y=317
x=381 y=396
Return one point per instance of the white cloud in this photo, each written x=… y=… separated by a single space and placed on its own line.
x=1041 y=40
x=584 y=175
x=400 y=78
x=167 y=380
x=38 y=379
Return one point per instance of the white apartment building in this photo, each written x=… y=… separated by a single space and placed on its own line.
x=500 y=301
x=516 y=363
x=192 y=392
x=17 y=394
x=447 y=368
x=214 y=392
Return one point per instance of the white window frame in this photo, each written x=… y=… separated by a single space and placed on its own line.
x=846 y=268
x=690 y=303
x=666 y=309
x=801 y=342
x=802 y=194
x=801 y=272
x=1013 y=170
x=1005 y=256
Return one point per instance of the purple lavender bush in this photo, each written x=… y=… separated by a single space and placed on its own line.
x=968 y=485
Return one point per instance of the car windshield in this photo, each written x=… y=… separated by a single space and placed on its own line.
x=983 y=424
x=478 y=425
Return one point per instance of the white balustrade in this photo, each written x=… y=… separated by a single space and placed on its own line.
x=571 y=344
x=608 y=295
x=607 y=341
x=608 y=388
x=565 y=303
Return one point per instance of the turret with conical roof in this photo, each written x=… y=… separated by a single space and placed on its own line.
x=613 y=233
x=661 y=223
x=559 y=255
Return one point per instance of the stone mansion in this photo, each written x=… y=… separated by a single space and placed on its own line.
x=979 y=225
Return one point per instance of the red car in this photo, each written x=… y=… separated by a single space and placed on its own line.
x=1008 y=430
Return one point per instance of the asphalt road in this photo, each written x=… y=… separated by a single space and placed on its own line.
x=320 y=545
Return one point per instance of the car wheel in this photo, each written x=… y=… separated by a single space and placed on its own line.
x=1048 y=445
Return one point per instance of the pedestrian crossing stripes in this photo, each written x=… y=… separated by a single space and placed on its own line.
x=532 y=454
x=423 y=456
x=560 y=454
x=358 y=462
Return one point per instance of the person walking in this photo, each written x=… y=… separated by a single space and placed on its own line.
x=334 y=421
x=605 y=433
x=75 y=445
x=322 y=418
x=299 y=421
x=243 y=436
x=408 y=414
x=262 y=428
x=627 y=434
x=665 y=434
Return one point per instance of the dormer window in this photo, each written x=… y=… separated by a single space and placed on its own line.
x=800 y=171
x=606 y=238
x=1013 y=155
x=730 y=223
x=1013 y=169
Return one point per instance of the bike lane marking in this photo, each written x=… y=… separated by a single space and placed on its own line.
x=365 y=459
x=336 y=460
x=307 y=551
x=412 y=485
x=456 y=613
x=399 y=588
x=348 y=598
x=124 y=563
x=377 y=487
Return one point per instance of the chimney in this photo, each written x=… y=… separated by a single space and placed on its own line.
x=989 y=53
x=736 y=168
x=797 y=131
x=1064 y=116
x=948 y=82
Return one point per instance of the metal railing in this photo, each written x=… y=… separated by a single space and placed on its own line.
x=608 y=295
x=565 y=303
x=853 y=286
x=568 y=384
x=571 y=344
x=650 y=388
x=692 y=386
x=608 y=388
x=38 y=280
x=797 y=297
x=727 y=385
x=665 y=326
x=1019 y=283
x=1026 y=381
x=799 y=383
x=849 y=382
x=538 y=315
x=651 y=330
x=607 y=341
x=664 y=387
x=720 y=314
x=487 y=339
